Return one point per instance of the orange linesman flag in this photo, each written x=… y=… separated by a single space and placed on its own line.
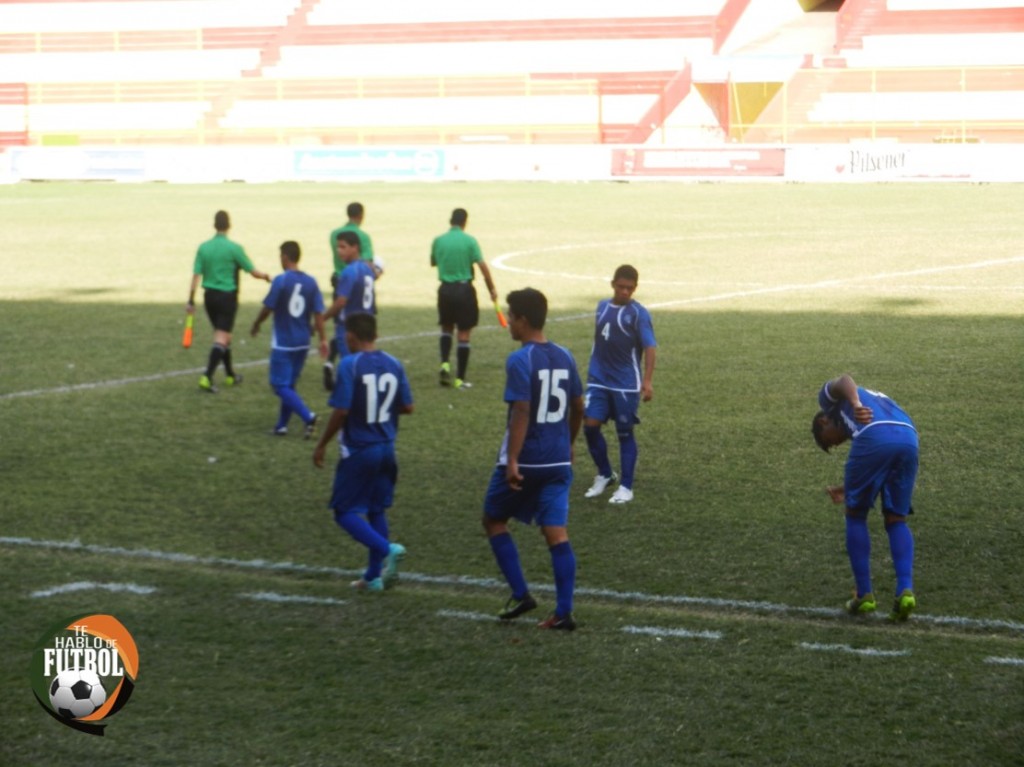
x=186 y=337
x=501 y=316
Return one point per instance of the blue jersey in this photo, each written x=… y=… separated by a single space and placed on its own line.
x=885 y=411
x=372 y=387
x=545 y=376
x=294 y=298
x=621 y=333
x=356 y=284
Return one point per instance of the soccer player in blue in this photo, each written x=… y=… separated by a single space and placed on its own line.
x=883 y=461
x=621 y=373
x=371 y=391
x=354 y=293
x=534 y=470
x=295 y=301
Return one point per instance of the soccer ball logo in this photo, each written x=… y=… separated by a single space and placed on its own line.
x=75 y=694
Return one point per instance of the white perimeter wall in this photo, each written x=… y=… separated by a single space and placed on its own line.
x=848 y=163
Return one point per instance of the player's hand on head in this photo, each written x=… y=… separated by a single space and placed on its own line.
x=863 y=414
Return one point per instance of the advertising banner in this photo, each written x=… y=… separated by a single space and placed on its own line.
x=389 y=164
x=74 y=163
x=710 y=162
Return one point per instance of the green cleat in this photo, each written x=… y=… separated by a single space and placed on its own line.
x=206 y=385
x=233 y=380
x=390 y=574
x=862 y=605
x=903 y=606
x=368 y=586
x=446 y=374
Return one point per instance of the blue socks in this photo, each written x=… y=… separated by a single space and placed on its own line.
x=355 y=524
x=901 y=545
x=627 y=453
x=507 y=556
x=598 y=449
x=379 y=522
x=291 y=402
x=858 y=547
x=563 y=564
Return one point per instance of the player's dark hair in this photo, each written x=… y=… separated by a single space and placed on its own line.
x=354 y=210
x=459 y=217
x=362 y=326
x=291 y=250
x=349 y=237
x=221 y=221
x=530 y=304
x=626 y=272
x=821 y=419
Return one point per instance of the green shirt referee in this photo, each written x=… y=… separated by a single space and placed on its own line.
x=455 y=254
x=216 y=265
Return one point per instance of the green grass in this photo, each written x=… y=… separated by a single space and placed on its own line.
x=759 y=293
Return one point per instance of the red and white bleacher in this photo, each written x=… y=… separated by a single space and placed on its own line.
x=406 y=71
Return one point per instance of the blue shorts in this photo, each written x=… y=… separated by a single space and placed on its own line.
x=604 y=404
x=286 y=366
x=883 y=460
x=543 y=499
x=365 y=480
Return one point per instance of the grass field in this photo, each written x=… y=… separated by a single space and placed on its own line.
x=710 y=630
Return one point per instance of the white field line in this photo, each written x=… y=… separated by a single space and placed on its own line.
x=272 y=596
x=264 y=565
x=834 y=283
x=70 y=588
x=465 y=615
x=499 y=262
x=658 y=631
x=868 y=651
x=1005 y=661
x=109 y=384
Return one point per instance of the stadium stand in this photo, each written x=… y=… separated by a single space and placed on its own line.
x=858 y=19
x=594 y=71
x=909 y=70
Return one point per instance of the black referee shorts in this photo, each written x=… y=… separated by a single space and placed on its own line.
x=221 y=308
x=457 y=305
